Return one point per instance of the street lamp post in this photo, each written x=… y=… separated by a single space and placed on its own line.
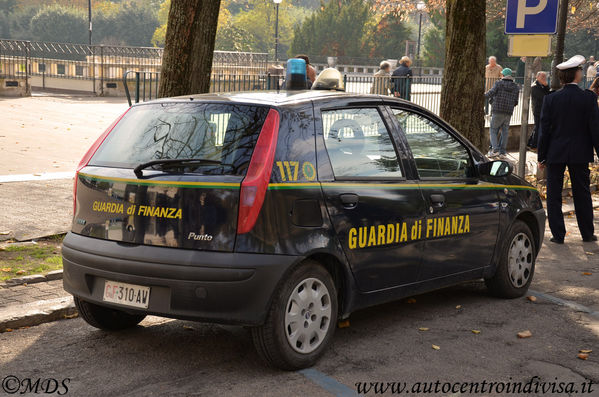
x=420 y=6
x=89 y=15
x=277 y=2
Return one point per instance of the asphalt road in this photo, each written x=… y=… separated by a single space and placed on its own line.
x=382 y=344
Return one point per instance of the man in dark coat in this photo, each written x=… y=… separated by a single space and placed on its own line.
x=400 y=79
x=539 y=90
x=569 y=132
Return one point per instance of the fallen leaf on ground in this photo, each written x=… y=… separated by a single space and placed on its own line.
x=532 y=298
x=583 y=356
x=343 y=324
x=8 y=330
x=585 y=351
x=19 y=272
x=590 y=253
x=436 y=347
x=524 y=334
x=475 y=331
x=6 y=269
x=187 y=327
x=69 y=316
x=4 y=233
x=458 y=307
x=423 y=329
x=411 y=300
x=587 y=273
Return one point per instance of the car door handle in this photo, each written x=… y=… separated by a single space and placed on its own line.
x=349 y=201
x=437 y=200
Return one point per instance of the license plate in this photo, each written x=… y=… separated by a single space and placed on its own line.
x=126 y=294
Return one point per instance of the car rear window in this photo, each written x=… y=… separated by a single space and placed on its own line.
x=225 y=133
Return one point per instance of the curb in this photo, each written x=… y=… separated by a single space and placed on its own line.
x=35 y=313
x=35 y=278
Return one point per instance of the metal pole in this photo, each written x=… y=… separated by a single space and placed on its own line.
x=277 y=34
x=89 y=15
x=419 y=35
x=524 y=122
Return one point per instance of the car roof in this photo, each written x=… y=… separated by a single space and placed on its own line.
x=270 y=98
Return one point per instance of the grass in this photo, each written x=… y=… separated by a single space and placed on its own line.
x=27 y=259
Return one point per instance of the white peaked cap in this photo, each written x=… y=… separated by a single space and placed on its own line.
x=573 y=62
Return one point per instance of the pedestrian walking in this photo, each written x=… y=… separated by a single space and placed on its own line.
x=540 y=89
x=401 y=79
x=492 y=74
x=382 y=79
x=310 y=70
x=569 y=132
x=503 y=98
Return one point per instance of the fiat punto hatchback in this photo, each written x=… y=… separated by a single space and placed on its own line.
x=287 y=211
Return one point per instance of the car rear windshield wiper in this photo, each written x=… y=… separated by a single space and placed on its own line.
x=139 y=169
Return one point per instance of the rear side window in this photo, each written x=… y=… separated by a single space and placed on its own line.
x=222 y=133
x=359 y=144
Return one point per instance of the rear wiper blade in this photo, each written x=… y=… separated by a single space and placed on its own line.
x=139 y=169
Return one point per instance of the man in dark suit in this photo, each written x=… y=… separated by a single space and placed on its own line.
x=569 y=132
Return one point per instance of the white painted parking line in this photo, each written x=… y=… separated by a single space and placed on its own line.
x=45 y=176
x=563 y=302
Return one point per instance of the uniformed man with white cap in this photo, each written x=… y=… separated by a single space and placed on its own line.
x=569 y=132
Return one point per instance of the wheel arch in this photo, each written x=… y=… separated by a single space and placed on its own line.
x=531 y=221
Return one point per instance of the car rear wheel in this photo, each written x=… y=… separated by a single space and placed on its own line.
x=106 y=318
x=516 y=265
x=301 y=320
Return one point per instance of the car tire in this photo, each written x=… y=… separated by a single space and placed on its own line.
x=106 y=318
x=516 y=266
x=299 y=326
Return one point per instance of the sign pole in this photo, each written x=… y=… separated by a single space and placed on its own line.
x=524 y=120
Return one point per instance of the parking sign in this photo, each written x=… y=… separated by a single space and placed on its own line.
x=531 y=16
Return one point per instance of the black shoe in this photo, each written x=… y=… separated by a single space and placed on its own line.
x=557 y=240
x=590 y=239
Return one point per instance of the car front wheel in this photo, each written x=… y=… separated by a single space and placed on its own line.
x=516 y=264
x=106 y=318
x=301 y=320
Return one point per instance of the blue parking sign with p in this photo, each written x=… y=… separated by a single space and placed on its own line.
x=531 y=16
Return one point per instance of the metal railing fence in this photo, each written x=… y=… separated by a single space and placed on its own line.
x=101 y=65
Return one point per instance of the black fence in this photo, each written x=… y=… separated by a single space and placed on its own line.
x=98 y=68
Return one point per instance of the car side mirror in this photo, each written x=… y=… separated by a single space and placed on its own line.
x=498 y=168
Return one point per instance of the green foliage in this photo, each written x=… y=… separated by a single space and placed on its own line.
x=130 y=22
x=385 y=39
x=60 y=24
x=497 y=41
x=7 y=5
x=234 y=38
x=337 y=29
x=433 y=41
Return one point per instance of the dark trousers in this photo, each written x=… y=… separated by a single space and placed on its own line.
x=580 y=178
x=534 y=138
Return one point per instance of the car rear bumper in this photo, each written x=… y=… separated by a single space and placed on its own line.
x=220 y=287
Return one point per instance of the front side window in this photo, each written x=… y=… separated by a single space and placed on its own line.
x=358 y=144
x=436 y=152
x=224 y=135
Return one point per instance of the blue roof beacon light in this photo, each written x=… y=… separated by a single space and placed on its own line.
x=296 y=74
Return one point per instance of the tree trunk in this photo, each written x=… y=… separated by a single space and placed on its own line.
x=558 y=55
x=189 y=46
x=462 y=99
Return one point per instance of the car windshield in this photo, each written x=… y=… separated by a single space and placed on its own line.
x=223 y=135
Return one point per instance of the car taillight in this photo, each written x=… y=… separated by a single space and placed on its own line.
x=255 y=184
x=90 y=153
